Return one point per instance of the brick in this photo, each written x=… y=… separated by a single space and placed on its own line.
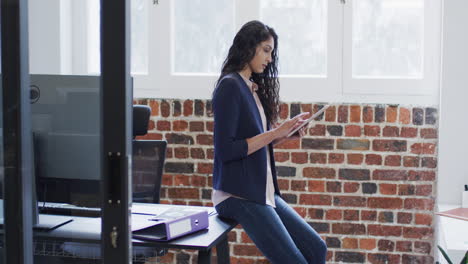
x=393 y=160
x=384 y=230
x=368 y=215
x=373 y=159
x=428 y=133
x=391 y=131
x=151 y=125
x=333 y=214
x=330 y=114
x=197 y=126
x=376 y=258
x=317 y=130
x=334 y=187
x=404 y=246
x=353 y=201
x=423 y=219
x=369 y=188
x=386 y=217
x=351 y=215
x=405 y=116
x=173 y=138
x=151 y=136
x=154 y=107
x=390 y=175
x=404 y=218
x=389 y=145
x=289 y=144
x=431 y=116
x=281 y=156
x=353 y=144
x=177 y=108
x=379 y=115
x=299 y=157
x=423 y=148
x=418 y=232
x=406 y=189
x=319 y=172
x=422 y=247
x=354 y=174
x=183 y=193
x=245 y=250
x=429 y=162
x=320 y=227
x=421 y=175
x=418 y=114
x=178 y=167
x=181 y=180
x=283 y=111
x=169 y=153
x=206 y=193
x=283 y=184
x=417 y=259
x=199 y=108
x=289 y=198
x=298 y=185
x=165 y=108
x=197 y=153
x=284 y=171
x=315 y=199
x=335 y=158
x=386 y=245
x=209 y=108
x=188 y=108
x=424 y=190
x=409 y=132
x=355 y=114
x=199 y=181
x=333 y=242
x=368 y=114
x=343 y=114
x=419 y=204
x=350 y=243
x=355 y=159
x=348 y=229
x=391 y=114
x=351 y=187
x=316 y=186
x=353 y=257
x=411 y=161
x=353 y=131
x=163 y=125
x=210 y=153
x=372 y=131
x=205 y=139
x=205 y=168
x=318 y=144
x=179 y=125
x=181 y=153
x=384 y=202
x=315 y=213
x=318 y=158
x=295 y=110
x=210 y=126
x=367 y=243
x=335 y=130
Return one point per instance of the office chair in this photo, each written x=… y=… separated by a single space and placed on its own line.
x=148 y=159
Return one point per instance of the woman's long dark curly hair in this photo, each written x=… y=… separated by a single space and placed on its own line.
x=243 y=50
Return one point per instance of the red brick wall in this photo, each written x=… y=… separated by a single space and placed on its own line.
x=363 y=176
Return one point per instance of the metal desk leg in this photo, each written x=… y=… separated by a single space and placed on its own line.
x=222 y=250
x=204 y=256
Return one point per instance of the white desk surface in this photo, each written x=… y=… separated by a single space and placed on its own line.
x=453 y=233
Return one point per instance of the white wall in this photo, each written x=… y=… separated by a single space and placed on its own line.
x=453 y=145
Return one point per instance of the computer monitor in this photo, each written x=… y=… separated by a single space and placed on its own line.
x=66 y=122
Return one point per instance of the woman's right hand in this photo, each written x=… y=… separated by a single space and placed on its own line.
x=283 y=130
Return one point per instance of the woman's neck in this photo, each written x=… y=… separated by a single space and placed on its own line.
x=246 y=73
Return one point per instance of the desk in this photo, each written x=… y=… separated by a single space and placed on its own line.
x=88 y=230
x=452 y=234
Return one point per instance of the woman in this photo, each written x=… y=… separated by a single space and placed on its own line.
x=245 y=107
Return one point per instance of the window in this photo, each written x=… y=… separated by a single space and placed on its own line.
x=330 y=50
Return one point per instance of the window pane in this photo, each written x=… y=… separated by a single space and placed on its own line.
x=138 y=37
x=203 y=31
x=302 y=34
x=388 y=38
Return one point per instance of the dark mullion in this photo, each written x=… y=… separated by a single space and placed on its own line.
x=116 y=101
x=17 y=135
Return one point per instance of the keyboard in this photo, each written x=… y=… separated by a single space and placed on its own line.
x=68 y=209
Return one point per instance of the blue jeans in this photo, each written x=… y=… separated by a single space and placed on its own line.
x=280 y=233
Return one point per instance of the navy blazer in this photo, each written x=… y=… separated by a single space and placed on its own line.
x=236 y=118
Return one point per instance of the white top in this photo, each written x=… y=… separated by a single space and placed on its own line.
x=219 y=196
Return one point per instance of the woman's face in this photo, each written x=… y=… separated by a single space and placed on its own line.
x=262 y=56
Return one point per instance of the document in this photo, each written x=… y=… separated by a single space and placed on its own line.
x=308 y=120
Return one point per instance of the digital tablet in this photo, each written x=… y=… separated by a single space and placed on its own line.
x=307 y=121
